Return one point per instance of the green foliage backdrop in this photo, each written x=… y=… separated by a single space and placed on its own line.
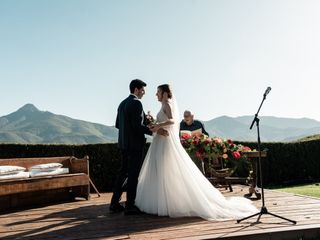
x=286 y=162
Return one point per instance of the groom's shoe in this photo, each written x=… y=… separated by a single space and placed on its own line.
x=116 y=208
x=134 y=210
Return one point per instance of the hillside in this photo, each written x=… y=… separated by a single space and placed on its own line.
x=271 y=128
x=30 y=125
x=310 y=138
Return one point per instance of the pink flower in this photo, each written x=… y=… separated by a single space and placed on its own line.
x=217 y=140
x=236 y=155
x=225 y=156
x=246 y=149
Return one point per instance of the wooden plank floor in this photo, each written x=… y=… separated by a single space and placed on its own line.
x=91 y=220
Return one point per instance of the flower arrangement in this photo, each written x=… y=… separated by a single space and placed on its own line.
x=202 y=146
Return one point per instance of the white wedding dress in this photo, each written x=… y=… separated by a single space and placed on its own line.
x=170 y=184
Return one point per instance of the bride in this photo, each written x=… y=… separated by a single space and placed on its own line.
x=170 y=184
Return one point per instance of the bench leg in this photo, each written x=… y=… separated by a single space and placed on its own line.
x=81 y=191
x=230 y=187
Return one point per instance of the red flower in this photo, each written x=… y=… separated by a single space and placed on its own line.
x=195 y=142
x=185 y=136
x=199 y=154
x=230 y=141
x=236 y=155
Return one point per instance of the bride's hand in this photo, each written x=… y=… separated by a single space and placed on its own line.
x=154 y=128
x=163 y=132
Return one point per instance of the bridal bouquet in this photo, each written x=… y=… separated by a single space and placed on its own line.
x=150 y=119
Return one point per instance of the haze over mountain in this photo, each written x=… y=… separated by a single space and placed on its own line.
x=271 y=128
x=30 y=125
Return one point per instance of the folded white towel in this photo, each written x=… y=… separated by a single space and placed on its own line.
x=15 y=175
x=7 y=169
x=47 y=167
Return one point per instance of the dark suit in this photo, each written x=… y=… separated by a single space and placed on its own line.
x=131 y=122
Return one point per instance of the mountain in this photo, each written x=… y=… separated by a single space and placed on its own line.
x=271 y=128
x=30 y=125
x=301 y=123
x=310 y=138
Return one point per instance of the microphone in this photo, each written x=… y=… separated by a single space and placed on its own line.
x=267 y=91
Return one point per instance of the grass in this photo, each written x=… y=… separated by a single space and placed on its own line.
x=312 y=190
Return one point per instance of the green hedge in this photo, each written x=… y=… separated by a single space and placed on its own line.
x=290 y=163
x=286 y=162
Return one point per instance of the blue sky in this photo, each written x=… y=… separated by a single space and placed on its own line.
x=77 y=57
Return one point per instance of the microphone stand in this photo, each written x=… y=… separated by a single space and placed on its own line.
x=264 y=209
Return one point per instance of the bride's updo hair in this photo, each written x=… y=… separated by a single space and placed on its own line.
x=165 y=88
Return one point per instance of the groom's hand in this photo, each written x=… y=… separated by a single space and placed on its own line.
x=163 y=132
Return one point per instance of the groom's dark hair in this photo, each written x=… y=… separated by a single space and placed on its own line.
x=136 y=83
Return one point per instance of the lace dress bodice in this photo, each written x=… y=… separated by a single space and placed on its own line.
x=161 y=116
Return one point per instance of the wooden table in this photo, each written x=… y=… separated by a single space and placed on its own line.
x=253 y=157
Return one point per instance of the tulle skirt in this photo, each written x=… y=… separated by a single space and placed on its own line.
x=170 y=184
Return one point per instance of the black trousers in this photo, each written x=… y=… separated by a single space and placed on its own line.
x=128 y=176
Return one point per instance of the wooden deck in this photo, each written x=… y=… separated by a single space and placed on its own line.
x=91 y=220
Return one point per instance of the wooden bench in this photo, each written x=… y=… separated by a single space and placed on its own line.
x=45 y=189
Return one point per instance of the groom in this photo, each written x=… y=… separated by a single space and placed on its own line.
x=132 y=124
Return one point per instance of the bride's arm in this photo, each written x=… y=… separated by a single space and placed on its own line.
x=170 y=121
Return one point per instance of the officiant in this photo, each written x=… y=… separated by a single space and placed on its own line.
x=190 y=124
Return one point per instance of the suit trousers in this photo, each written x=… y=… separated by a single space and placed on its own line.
x=128 y=176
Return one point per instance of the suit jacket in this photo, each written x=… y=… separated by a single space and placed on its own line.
x=132 y=124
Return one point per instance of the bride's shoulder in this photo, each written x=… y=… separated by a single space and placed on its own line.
x=166 y=107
